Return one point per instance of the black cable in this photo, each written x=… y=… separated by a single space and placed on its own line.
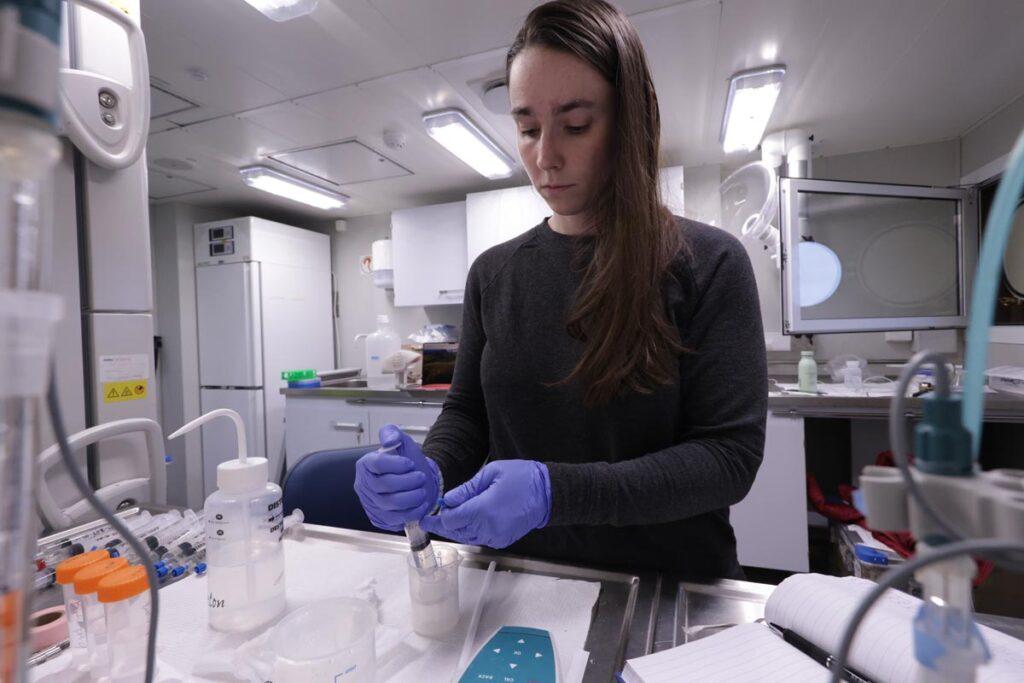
x=898 y=574
x=53 y=404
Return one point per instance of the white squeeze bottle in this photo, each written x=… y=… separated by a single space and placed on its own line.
x=244 y=525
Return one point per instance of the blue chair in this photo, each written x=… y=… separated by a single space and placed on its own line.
x=321 y=486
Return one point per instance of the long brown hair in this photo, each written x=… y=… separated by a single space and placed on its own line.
x=619 y=309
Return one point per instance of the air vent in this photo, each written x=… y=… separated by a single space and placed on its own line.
x=342 y=163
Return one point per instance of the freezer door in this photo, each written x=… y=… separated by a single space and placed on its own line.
x=219 y=441
x=230 y=325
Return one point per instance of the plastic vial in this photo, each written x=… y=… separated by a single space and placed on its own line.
x=852 y=377
x=66 y=572
x=807 y=372
x=434 y=593
x=125 y=598
x=244 y=525
x=380 y=345
x=86 y=582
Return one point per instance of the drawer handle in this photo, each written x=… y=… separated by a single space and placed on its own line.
x=349 y=427
x=448 y=292
x=414 y=429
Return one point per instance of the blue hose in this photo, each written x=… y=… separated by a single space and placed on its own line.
x=986 y=287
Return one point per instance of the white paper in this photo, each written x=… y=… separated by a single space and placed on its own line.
x=124 y=367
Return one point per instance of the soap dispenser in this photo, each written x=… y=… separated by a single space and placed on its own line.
x=244 y=526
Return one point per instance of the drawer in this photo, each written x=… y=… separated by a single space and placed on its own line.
x=317 y=423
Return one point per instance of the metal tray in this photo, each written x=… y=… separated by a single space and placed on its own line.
x=704 y=609
x=613 y=611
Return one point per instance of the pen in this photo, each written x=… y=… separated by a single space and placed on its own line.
x=817 y=654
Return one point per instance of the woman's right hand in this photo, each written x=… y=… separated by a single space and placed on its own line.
x=397 y=486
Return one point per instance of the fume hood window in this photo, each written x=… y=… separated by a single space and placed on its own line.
x=863 y=257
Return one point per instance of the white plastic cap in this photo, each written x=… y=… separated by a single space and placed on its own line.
x=237 y=476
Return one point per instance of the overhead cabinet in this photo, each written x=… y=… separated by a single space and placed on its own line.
x=429 y=254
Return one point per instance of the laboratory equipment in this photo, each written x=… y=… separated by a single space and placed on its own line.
x=87 y=581
x=862 y=257
x=65 y=577
x=945 y=476
x=807 y=372
x=514 y=654
x=244 y=525
x=380 y=346
x=1007 y=379
x=125 y=598
x=422 y=553
x=852 y=376
x=750 y=204
x=141 y=473
x=327 y=641
x=434 y=593
x=263 y=293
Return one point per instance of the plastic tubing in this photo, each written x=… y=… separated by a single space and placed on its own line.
x=986 y=287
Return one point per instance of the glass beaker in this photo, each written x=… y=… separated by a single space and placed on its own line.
x=434 y=593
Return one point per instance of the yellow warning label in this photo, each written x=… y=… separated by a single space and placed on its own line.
x=131 y=390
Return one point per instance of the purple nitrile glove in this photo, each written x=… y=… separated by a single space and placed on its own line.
x=398 y=483
x=502 y=503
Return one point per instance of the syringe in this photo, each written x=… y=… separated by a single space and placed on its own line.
x=177 y=562
x=422 y=552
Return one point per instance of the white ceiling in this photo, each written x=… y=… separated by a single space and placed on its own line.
x=861 y=74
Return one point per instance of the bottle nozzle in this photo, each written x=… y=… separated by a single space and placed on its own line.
x=219 y=412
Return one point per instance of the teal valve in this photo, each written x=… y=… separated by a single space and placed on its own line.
x=942 y=445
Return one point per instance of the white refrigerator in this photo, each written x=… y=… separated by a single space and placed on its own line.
x=263 y=298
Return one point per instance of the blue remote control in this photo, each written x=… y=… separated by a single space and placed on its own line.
x=515 y=654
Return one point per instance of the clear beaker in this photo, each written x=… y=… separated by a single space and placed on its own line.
x=328 y=641
x=434 y=593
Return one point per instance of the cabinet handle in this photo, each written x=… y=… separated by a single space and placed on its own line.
x=414 y=429
x=448 y=292
x=349 y=427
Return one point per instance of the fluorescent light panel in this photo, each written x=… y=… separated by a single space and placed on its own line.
x=752 y=97
x=283 y=10
x=275 y=182
x=460 y=136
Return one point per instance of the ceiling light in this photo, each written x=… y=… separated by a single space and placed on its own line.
x=460 y=136
x=274 y=182
x=752 y=96
x=283 y=10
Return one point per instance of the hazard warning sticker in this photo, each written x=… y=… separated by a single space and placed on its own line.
x=134 y=390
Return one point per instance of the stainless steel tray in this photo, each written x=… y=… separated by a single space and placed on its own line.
x=703 y=609
x=613 y=612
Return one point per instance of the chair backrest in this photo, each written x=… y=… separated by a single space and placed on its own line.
x=321 y=486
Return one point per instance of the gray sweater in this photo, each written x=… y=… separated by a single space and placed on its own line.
x=646 y=480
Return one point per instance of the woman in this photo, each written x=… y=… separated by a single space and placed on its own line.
x=611 y=370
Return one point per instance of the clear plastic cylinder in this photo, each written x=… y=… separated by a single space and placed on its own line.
x=244 y=557
x=87 y=582
x=434 y=593
x=126 y=605
x=65 y=577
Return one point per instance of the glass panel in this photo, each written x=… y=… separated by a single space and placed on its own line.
x=866 y=256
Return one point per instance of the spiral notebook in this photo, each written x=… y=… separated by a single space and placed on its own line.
x=816 y=607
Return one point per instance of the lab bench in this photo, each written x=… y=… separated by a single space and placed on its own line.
x=998 y=407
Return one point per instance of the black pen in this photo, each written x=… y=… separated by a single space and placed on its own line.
x=817 y=654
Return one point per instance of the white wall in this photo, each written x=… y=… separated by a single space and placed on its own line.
x=360 y=302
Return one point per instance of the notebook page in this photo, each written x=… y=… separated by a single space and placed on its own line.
x=818 y=607
x=747 y=653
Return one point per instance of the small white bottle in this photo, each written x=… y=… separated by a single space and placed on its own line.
x=244 y=525
x=807 y=372
x=380 y=345
x=852 y=377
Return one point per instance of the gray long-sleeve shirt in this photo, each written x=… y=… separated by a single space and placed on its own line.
x=646 y=480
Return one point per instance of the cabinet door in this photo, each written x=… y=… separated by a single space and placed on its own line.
x=499 y=215
x=317 y=423
x=429 y=252
x=413 y=420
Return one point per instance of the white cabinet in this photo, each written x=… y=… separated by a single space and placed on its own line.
x=318 y=423
x=499 y=215
x=771 y=522
x=415 y=421
x=429 y=254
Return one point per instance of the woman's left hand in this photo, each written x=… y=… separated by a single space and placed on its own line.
x=502 y=503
